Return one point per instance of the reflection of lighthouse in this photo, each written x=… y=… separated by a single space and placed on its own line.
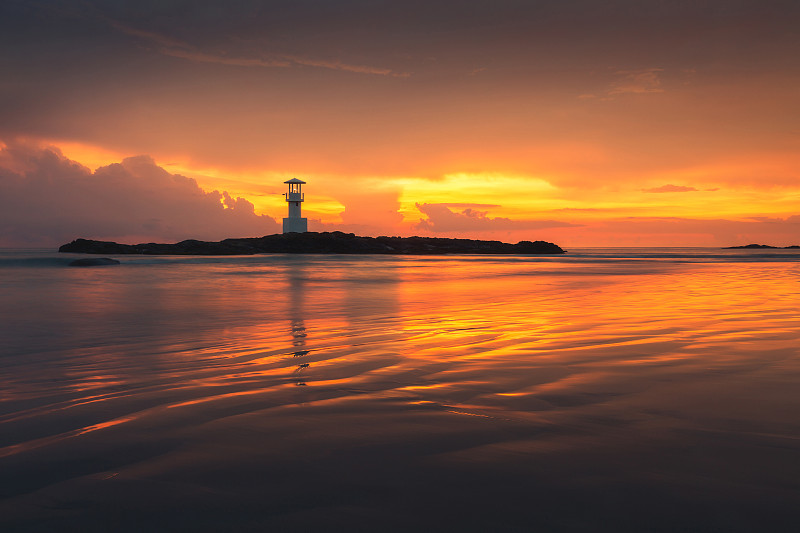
x=294 y=223
x=296 y=291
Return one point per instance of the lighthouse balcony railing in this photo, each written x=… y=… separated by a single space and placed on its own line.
x=294 y=196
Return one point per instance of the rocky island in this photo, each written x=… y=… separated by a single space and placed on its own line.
x=334 y=242
x=761 y=247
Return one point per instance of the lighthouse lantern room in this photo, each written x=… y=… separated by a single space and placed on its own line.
x=294 y=223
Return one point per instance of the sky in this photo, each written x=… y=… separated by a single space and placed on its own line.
x=585 y=123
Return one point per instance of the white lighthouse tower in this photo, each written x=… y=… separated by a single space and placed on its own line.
x=294 y=223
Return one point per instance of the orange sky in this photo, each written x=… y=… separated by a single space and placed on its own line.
x=630 y=125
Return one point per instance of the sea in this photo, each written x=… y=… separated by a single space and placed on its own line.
x=613 y=390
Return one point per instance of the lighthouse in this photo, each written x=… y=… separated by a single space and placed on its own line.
x=294 y=223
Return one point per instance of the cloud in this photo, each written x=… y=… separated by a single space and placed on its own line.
x=671 y=188
x=672 y=231
x=47 y=200
x=639 y=81
x=793 y=219
x=200 y=57
x=442 y=219
x=157 y=38
x=370 y=208
x=338 y=65
x=183 y=50
x=461 y=205
x=677 y=231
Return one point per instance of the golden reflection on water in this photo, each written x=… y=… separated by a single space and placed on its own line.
x=574 y=346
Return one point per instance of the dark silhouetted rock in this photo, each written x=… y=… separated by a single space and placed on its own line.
x=334 y=242
x=761 y=247
x=94 y=261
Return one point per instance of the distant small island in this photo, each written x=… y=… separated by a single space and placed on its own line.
x=334 y=242
x=761 y=246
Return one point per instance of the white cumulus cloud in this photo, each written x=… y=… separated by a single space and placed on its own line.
x=47 y=200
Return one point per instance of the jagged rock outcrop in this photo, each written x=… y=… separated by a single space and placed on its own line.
x=93 y=261
x=760 y=247
x=334 y=242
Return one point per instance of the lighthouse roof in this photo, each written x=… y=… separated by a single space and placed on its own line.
x=294 y=180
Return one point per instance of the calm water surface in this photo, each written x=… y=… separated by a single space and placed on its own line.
x=605 y=390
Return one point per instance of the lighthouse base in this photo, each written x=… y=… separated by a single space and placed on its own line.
x=295 y=225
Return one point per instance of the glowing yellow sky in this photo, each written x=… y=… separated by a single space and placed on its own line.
x=724 y=190
x=593 y=126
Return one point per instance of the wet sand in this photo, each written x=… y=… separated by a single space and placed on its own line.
x=611 y=393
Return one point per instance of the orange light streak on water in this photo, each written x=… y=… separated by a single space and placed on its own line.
x=475 y=361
